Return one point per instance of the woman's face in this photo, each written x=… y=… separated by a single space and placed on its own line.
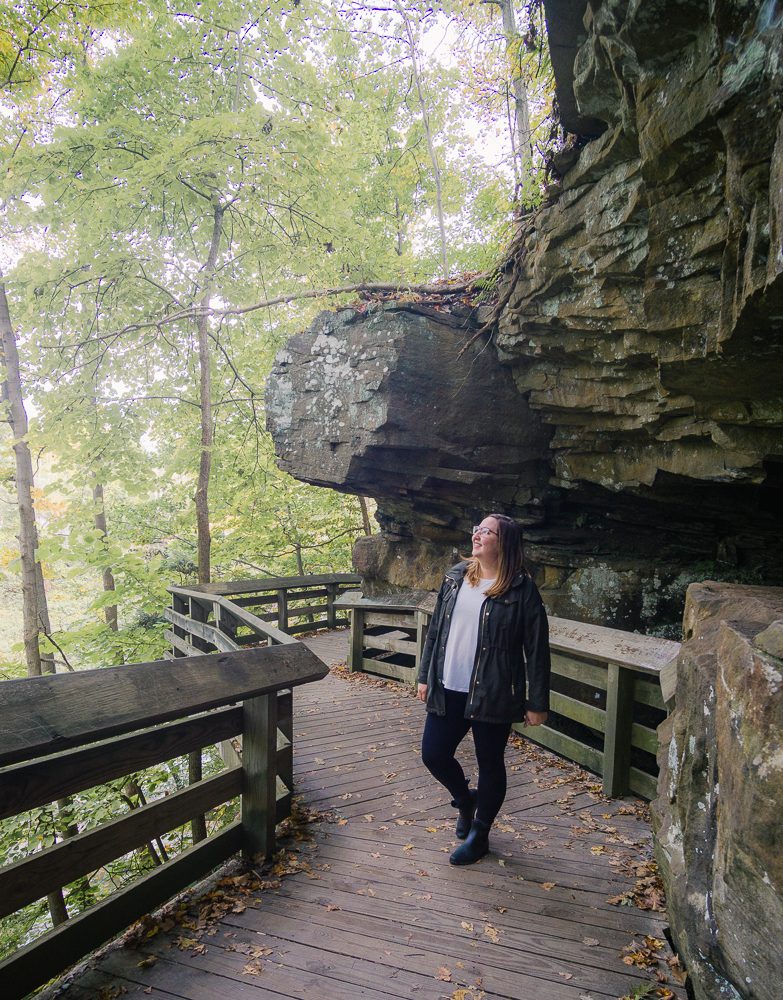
x=486 y=544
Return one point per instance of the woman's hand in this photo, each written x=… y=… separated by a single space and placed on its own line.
x=536 y=718
x=421 y=693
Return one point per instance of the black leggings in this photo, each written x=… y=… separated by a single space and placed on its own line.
x=444 y=733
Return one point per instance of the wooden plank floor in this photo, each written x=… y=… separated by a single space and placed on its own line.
x=363 y=903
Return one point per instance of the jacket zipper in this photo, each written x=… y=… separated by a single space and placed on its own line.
x=484 y=616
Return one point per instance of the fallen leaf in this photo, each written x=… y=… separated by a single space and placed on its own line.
x=467 y=926
x=147 y=962
x=252 y=969
x=408 y=847
x=591 y=942
x=444 y=974
x=332 y=907
x=492 y=933
x=597 y=849
x=566 y=975
x=431 y=829
x=548 y=885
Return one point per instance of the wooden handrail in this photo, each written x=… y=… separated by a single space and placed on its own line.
x=228 y=588
x=46 y=714
x=62 y=734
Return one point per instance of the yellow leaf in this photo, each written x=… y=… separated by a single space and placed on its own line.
x=548 y=885
x=467 y=926
x=492 y=933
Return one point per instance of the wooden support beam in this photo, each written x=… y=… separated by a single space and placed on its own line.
x=357 y=640
x=619 y=720
x=259 y=789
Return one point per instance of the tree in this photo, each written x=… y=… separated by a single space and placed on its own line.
x=35 y=612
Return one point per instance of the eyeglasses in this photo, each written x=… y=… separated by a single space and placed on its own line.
x=479 y=529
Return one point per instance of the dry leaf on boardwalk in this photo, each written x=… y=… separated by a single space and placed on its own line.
x=548 y=885
x=492 y=933
x=332 y=907
x=591 y=942
x=467 y=993
x=252 y=969
x=467 y=926
x=444 y=974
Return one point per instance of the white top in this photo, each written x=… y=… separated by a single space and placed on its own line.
x=463 y=636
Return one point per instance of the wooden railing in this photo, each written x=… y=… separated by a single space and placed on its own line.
x=227 y=616
x=606 y=695
x=63 y=734
x=388 y=632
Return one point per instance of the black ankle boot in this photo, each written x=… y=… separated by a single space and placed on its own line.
x=466 y=813
x=475 y=847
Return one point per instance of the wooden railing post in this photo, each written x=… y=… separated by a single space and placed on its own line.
x=226 y=622
x=198 y=825
x=331 y=610
x=617 y=739
x=182 y=606
x=357 y=640
x=259 y=782
x=422 y=624
x=282 y=609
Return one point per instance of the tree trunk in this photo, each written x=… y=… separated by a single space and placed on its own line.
x=524 y=145
x=35 y=615
x=365 y=516
x=110 y=610
x=205 y=397
x=523 y=151
x=425 y=120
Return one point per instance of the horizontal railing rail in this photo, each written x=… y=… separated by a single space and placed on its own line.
x=64 y=734
x=282 y=607
x=606 y=699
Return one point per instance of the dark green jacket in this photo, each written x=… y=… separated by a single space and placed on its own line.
x=512 y=652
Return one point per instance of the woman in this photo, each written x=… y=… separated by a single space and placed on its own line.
x=488 y=634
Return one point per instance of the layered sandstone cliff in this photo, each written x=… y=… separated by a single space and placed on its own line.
x=628 y=407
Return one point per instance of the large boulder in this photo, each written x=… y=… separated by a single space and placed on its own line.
x=718 y=817
x=395 y=402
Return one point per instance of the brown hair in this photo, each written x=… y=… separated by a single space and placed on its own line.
x=511 y=557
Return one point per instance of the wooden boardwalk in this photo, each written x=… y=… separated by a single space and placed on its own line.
x=363 y=902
